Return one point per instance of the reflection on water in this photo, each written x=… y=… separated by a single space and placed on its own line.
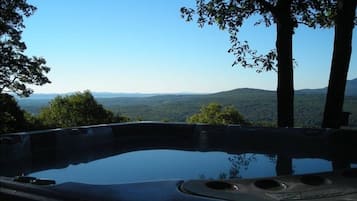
x=151 y=165
x=307 y=165
x=240 y=163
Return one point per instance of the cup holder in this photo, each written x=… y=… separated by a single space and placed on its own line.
x=269 y=184
x=313 y=180
x=220 y=185
x=350 y=173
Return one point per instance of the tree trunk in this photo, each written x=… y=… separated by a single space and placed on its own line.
x=340 y=62
x=284 y=165
x=285 y=90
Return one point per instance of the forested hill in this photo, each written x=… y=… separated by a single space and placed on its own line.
x=351 y=89
x=256 y=105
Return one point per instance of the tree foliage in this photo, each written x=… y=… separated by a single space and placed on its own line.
x=16 y=69
x=231 y=14
x=12 y=118
x=216 y=114
x=287 y=15
x=76 y=110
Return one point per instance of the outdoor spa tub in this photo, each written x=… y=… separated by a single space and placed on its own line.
x=176 y=161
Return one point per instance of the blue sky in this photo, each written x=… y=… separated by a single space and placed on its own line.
x=145 y=46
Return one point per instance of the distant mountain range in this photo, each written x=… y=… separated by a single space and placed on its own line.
x=95 y=94
x=254 y=104
x=351 y=90
x=48 y=96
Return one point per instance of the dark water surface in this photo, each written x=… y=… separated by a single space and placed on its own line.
x=152 y=165
x=151 y=151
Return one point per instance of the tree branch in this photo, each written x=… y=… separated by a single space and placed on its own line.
x=305 y=23
x=13 y=80
x=9 y=83
x=268 y=6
